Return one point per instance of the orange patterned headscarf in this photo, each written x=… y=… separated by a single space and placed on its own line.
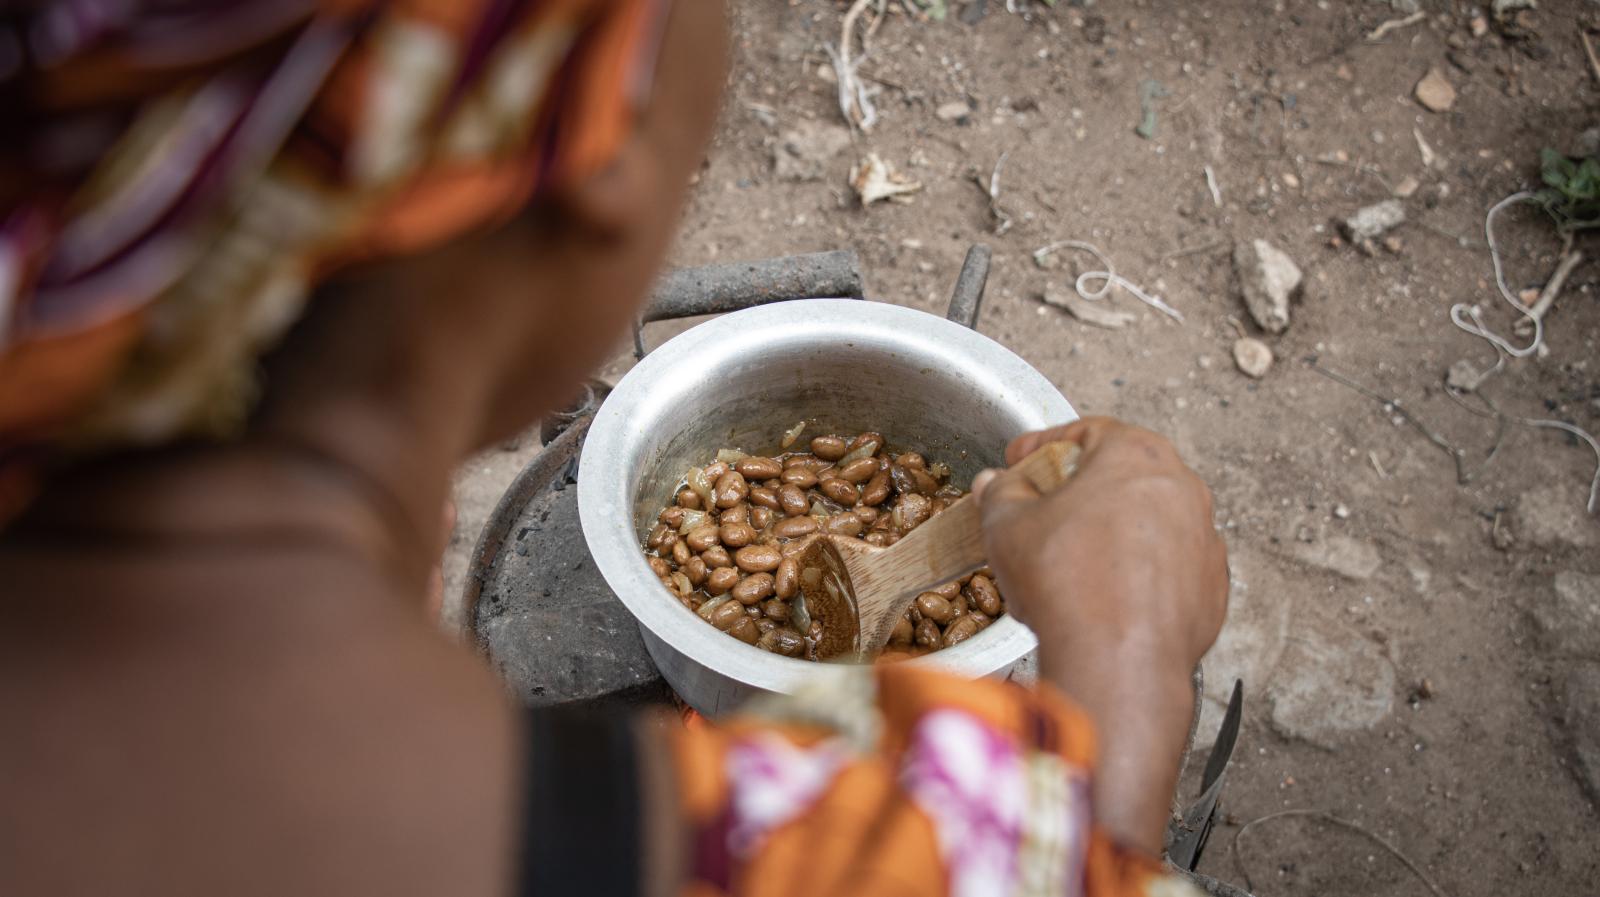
x=178 y=176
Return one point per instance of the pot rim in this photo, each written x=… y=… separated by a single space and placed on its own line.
x=608 y=479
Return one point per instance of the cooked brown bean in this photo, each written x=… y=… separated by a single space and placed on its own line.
x=786 y=579
x=949 y=590
x=717 y=557
x=758 y=558
x=721 y=580
x=727 y=614
x=928 y=635
x=745 y=631
x=799 y=476
x=818 y=465
x=731 y=489
x=926 y=484
x=904 y=482
x=696 y=571
x=761 y=518
x=782 y=641
x=935 y=607
x=753 y=611
x=681 y=552
x=672 y=516
x=902 y=632
x=776 y=610
x=960 y=631
x=840 y=491
x=911 y=461
x=660 y=567
x=793 y=547
x=983 y=620
x=714 y=471
x=983 y=592
x=766 y=626
x=702 y=537
x=794 y=527
x=879 y=539
x=737 y=535
x=658 y=536
x=948 y=492
x=792 y=499
x=868 y=516
x=844 y=525
x=876 y=490
x=796 y=460
x=911 y=512
x=762 y=497
x=758 y=468
x=688 y=499
x=829 y=448
x=869 y=437
x=859 y=471
x=753 y=588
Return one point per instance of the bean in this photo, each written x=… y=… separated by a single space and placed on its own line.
x=794 y=527
x=766 y=626
x=844 y=525
x=702 y=537
x=876 y=490
x=672 y=516
x=926 y=484
x=753 y=588
x=839 y=490
x=714 y=471
x=688 y=500
x=949 y=590
x=928 y=635
x=660 y=567
x=758 y=558
x=798 y=459
x=985 y=595
x=786 y=581
x=936 y=505
x=753 y=611
x=792 y=499
x=731 y=489
x=868 y=516
x=799 y=476
x=737 y=535
x=758 y=468
x=727 y=614
x=793 y=547
x=696 y=571
x=859 y=471
x=868 y=438
x=762 y=497
x=949 y=492
x=761 y=518
x=722 y=579
x=657 y=537
x=902 y=633
x=829 y=448
x=904 y=482
x=914 y=615
x=717 y=557
x=876 y=538
x=776 y=610
x=935 y=607
x=982 y=619
x=960 y=631
x=817 y=465
x=782 y=641
x=681 y=553
x=912 y=511
x=745 y=631
x=911 y=461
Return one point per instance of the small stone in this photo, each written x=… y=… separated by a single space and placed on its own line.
x=1408 y=185
x=1252 y=356
x=1479 y=25
x=1393 y=245
x=1568 y=616
x=1553 y=516
x=1267 y=277
x=1343 y=555
x=1425 y=689
x=1371 y=222
x=1331 y=685
x=803 y=153
x=1341 y=511
x=1435 y=93
x=1290 y=181
x=1582 y=716
x=1343 y=73
x=954 y=111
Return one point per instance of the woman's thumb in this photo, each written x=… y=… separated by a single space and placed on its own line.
x=997 y=489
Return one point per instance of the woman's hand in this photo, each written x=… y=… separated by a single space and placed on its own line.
x=1124 y=578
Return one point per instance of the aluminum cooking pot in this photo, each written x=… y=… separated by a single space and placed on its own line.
x=742 y=380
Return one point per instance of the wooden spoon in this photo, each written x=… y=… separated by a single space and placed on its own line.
x=858 y=591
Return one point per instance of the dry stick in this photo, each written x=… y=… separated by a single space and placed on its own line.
x=1395 y=24
x=1588 y=50
x=1569 y=261
x=1457 y=455
x=1333 y=820
x=1195 y=250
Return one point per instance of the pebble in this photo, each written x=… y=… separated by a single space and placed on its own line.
x=1407 y=187
x=1267 y=277
x=954 y=111
x=1435 y=93
x=1252 y=356
x=1329 y=685
x=803 y=153
x=1582 y=716
x=1553 y=516
x=1348 y=557
x=1341 y=511
x=1568 y=616
x=1371 y=222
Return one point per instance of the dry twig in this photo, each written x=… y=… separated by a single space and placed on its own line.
x=1588 y=50
x=1395 y=25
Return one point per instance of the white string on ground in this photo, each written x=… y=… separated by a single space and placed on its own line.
x=1108 y=277
x=1470 y=317
x=1495 y=413
x=855 y=96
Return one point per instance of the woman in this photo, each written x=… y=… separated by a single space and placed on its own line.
x=216 y=674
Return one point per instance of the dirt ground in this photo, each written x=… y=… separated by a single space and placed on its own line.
x=1407 y=663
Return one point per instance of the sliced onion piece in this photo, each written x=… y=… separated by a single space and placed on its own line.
x=696 y=481
x=712 y=604
x=791 y=434
x=730 y=456
x=693 y=520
